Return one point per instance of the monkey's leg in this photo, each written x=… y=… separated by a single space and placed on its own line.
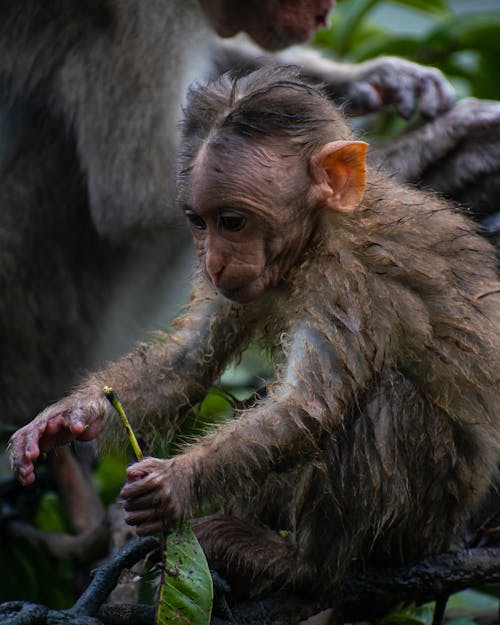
x=251 y=558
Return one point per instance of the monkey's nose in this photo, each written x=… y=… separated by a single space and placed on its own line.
x=216 y=278
x=215 y=269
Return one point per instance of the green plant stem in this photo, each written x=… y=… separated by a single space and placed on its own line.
x=115 y=402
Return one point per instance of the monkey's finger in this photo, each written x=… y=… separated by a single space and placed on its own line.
x=430 y=100
x=144 y=502
x=401 y=92
x=446 y=95
x=361 y=98
x=139 y=517
x=131 y=490
x=31 y=448
x=436 y=96
x=48 y=431
x=32 y=452
x=56 y=423
x=21 y=464
x=87 y=418
x=87 y=432
x=22 y=457
x=142 y=469
x=148 y=529
x=78 y=427
x=26 y=474
x=134 y=476
x=405 y=96
x=144 y=477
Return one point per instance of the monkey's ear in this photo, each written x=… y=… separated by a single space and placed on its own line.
x=339 y=173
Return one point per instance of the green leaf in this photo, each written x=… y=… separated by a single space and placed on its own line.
x=484 y=81
x=349 y=25
x=472 y=601
x=434 y=7
x=351 y=18
x=372 y=47
x=476 y=31
x=50 y=515
x=29 y=575
x=411 y=615
x=186 y=590
x=109 y=475
x=215 y=407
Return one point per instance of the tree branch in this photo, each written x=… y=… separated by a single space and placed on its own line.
x=106 y=576
x=365 y=594
x=376 y=589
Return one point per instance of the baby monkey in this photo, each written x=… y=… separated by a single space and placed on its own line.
x=381 y=306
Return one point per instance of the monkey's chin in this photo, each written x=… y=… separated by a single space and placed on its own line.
x=247 y=292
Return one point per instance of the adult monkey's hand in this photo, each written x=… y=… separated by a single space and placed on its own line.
x=389 y=80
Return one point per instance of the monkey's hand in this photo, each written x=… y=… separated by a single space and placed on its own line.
x=391 y=80
x=469 y=119
x=158 y=493
x=449 y=154
x=73 y=418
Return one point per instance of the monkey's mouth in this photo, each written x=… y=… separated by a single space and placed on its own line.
x=245 y=293
x=239 y=294
x=298 y=22
x=288 y=22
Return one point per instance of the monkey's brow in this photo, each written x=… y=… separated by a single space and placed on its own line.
x=292 y=85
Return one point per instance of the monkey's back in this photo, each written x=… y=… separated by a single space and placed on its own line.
x=402 y=302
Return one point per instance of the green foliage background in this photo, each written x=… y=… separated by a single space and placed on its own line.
x=465 y=47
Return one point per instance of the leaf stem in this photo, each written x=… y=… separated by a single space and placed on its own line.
x=112 y=397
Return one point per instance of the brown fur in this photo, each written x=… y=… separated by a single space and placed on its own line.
x=381 y=432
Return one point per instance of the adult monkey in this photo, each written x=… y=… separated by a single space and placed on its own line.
x=381 y=304
x=90 y=93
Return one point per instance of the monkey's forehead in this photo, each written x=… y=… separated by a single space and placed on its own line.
x=253 y=175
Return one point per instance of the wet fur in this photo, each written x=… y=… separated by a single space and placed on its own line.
x=381 y=433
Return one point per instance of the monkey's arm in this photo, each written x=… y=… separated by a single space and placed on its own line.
x=279 y=433
x=156 y=383
x=412 y=153
x=457 y=154
x=363 y=87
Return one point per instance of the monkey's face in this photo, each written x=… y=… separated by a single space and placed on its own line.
x=247 y=230
x=273 y=25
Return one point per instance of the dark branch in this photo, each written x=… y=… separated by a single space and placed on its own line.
x=106 y=577
x=375 y=590
x=364 y=595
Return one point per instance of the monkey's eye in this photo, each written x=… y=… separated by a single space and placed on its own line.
x=231 y=220
x=196 y=221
